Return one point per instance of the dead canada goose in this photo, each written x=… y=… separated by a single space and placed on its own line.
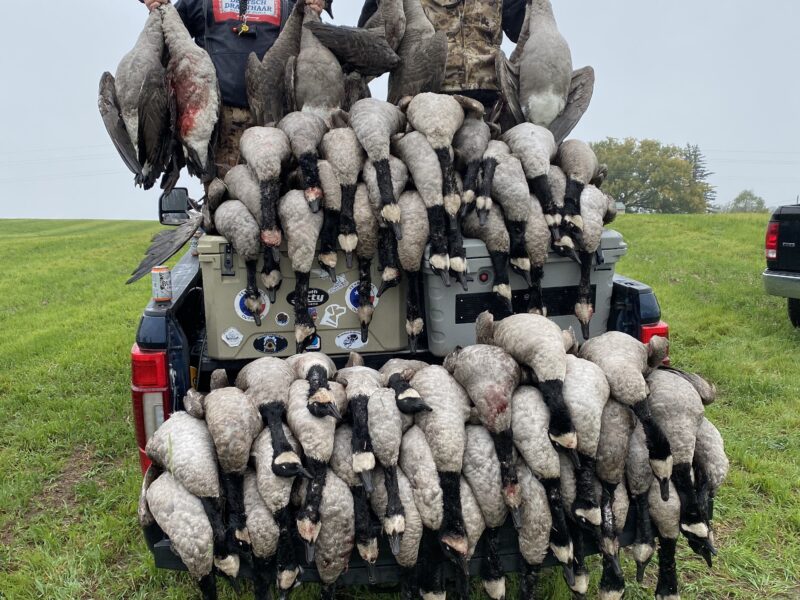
x=375 y=122
x=423 y=55
x=366 y=227
x=469 y=144
x=193 y=81
x=579 y=163
x=387 y=17
x=135 y=106
x=266 y=79
x=495 y=237
x=305 y=131
x=410 y=251
x=538 y=83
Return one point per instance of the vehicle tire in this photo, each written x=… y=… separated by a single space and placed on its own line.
x=794 y=311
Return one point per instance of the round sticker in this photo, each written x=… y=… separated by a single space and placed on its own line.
x=270 y=344
x=282 y=319
x=243 y=312
x=351 y=297
x=314 y=345
x=316 y=297
x=350 y=340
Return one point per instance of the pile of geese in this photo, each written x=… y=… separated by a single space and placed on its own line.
x=524 y=431
x=331 y=169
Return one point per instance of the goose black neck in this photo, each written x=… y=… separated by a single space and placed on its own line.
x=394 y=505
x=492 y=568
x=471 y=175
x=208 y=586
x=702 y=490
x=328 y=591
x=644 y=526
x=690 y=507
x=347 y=224
x=387 y=249
x=363 y=519
x=516 y=232
x=330 y=229
x=608 y=522
x=409 y=586
x=536 y=300
x=610 y=580
x=559 y=533
x=252 y=286
x=500 y=267
x=211 y=506
x=584 y=286
x=437 y=218
x=364 y=281
x=504 y=446
x=285 y=556
x=540 y=187
x=233 y=484
x=272 y=416
x=270 y=190
x=560 y=418
x=667 y=570
x=584 y=485
x=309 y=169
x=572 y=197
x=453 y=519
x=270 y=264
x=449 y=183
x=361 y=440
x=263 y=570
x=658 y=447
x=383 y=174
x=530 y=582
x=413 y=309
x=431 y=570
x=319 y=471
x=489 y=168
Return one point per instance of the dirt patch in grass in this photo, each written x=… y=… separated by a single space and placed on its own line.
x=62 y=491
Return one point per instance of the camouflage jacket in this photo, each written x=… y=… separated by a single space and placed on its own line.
x=474 y=33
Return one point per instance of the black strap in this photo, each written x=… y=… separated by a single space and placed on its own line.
x=243 y=10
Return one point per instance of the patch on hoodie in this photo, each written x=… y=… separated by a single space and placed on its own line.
x=258 y=11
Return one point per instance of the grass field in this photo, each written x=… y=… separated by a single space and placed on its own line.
x=69 y=475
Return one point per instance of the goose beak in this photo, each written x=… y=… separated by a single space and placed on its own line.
x=413 y=406
x=348 y=257
x=574 y=458
x=462 y=279
x=315 y=204
x=333 y=411
x=364 y=332
x=571 y=254
x=616 y=566
x=526 y=275
x=329 y=8
x=640 y=569
x=386 y=286
x=397 y=229
x=585 y=330
x=276 y=254
x=445 y=275
x=331 y=273
x=569 y=574
x=310 y=552
x=664 y=485
x=483 y=216
x=366 y=480
x=272 y=294
x=394 y=543
x=516 y=517
x=372 y=573
x=412 y=344
x=256 y=318
x=464 y=210
x=464 y=564
x=555 y=233
x=304 y=473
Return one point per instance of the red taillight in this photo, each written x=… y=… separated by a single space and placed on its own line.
x=150 y=396
x=771 y=243
x=648 y=331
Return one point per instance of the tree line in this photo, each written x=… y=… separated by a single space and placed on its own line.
x=650 y=177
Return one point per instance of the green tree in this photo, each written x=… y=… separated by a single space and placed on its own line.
x=700 y=171
x=747 y=202
x=648 y=176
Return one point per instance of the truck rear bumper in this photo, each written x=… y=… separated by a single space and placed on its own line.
x=785 y=284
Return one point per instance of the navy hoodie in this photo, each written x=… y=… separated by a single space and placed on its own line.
x=211 y=24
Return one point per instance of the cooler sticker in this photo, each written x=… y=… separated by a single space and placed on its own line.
x=352 y=297
x=350 y=340
x=316 y=297
x=243 y=312
x=315 y=345
x=282 y=319
x=341 y=283
x=270 y=344
x=333 y=312
x=319 y=274
x=258 y=11
x=232 y=337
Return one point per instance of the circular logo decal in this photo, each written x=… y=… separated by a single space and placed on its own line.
x=352 y=297
x=270 y=344
x=315 y=345
x=242 y=310
x=350 y=340
x=282 y=319
x=316 y=297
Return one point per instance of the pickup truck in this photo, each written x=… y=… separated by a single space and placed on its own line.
x=782 y=247
x=173 y=350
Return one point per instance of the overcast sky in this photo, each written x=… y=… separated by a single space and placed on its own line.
x=719 y=73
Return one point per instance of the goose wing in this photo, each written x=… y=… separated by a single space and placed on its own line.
x=254 y=87
x=508 y=80
x=580 y=95
x=289 y=77
x=424 y=71
x=155 y=136
x=355 y=89
x=360 y=50
x=524 y=34
x=112 y=118
x=165 y=244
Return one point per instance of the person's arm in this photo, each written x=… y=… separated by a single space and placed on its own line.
x=370 y=8
x=513 y=17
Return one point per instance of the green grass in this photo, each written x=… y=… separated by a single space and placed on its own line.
x=69 y=475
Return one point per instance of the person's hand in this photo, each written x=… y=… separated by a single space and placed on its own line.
x=316 y=5
x=154 y=4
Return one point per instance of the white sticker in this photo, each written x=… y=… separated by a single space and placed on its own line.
x=232 y=337
x=333 y=312
x=243 y=312
x=350 y=340
x=319 y=274
x=341 y=283
x=351 y=297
